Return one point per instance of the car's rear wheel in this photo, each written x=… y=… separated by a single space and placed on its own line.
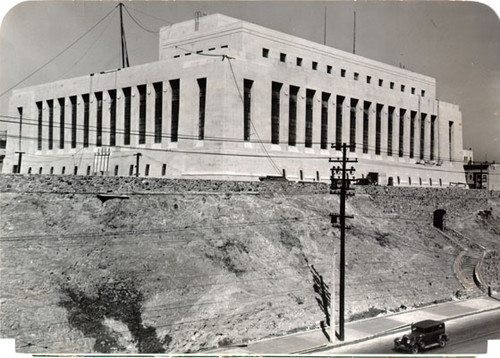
x=414 y=349
x=442 y=341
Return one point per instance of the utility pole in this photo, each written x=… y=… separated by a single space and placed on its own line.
x=137 y=155
x=125 y=62
x=19 y=161
x=343 y=189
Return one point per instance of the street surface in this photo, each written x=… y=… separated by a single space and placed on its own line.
x=468 y=335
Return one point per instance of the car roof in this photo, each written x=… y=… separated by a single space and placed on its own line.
x=427 y=323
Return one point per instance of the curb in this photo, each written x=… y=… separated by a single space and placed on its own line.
x=385 y=333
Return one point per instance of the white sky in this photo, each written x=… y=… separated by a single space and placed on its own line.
x=457 y=42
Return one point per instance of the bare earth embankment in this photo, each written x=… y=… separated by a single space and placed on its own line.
x=182 y=266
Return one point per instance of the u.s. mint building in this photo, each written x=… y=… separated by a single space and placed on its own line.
x=228 y=99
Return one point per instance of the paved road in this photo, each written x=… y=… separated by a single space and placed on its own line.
x=479 y=315
x=468 y=335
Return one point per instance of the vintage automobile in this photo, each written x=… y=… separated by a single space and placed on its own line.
x=423 y=335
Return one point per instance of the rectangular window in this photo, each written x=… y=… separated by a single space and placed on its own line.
x=324 y=120
x=98 y=139
x=86 y=119
x=126 y=115
x=299 y=61
x=314 y=65
x=202 y=84
x=391 y=85
x=380 y=82
x=282 y=57
x=338 y=121
x=402 y=113
x=275 y=112
x=378 y=128
x=368 y=79
x=3 y=140
x=413 y=90
x=309 y=117
x=73 y=121
x=292 y=116
x=247 y=108
x=146 y=170
x=40 y=124
x=163 y=170
x=352 y=127
x=117 y=168
x=402 y=88
x=328 y=69
x=50 y=104
x=176 y=101
x=356 y=76
x=413 y=118
x=112 y=117
x=131 y=170
x=342 y=72
x=422 y=93
x=265 y=52
x=158 y=87
x=142 y=113
x=61 y=122
x=423 y=117
x=433 y=122
x=390 y=124
x=450 y=139
x=366 y=125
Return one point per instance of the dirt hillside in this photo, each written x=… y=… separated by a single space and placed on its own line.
x=182 y=266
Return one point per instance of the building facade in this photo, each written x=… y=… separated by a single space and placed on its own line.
x=232 y=100
x=482 y=175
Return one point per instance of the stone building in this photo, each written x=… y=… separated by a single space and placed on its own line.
x=229 y=99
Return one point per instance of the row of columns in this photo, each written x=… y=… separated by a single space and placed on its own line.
x=345 y=103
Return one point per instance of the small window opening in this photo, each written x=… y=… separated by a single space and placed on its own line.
x=342 y=72
x=30 y=170
x=391 y=85
x=317 y=175
x=314 y=65
x=402 y=88
x=328 y=69
x=88 y=170
x=368 y=79
x=75 y=170
x=380 y=82
x=63 y=170
x=226 y=46
x=422 y=93
x=356 y=76
x=163 y=170
x=282 y=57
x=146 y=170
x=131 y=170
x=40 y=170
x=299 y=61
x=301 y=174
x=413 y=90
x=51 y=170
x=265 y=52
x=116 y=170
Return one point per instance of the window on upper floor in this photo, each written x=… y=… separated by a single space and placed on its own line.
x=265 y=52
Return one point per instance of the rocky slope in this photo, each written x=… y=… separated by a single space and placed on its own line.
x=182 y=266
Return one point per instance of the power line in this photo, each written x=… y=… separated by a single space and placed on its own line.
x=138 y=23
x=59 y=53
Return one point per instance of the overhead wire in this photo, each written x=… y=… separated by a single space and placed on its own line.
x=58 y=54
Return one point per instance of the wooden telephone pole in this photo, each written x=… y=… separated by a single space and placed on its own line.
x=341 y=186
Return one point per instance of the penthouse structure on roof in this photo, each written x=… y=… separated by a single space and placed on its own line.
x=232 y=100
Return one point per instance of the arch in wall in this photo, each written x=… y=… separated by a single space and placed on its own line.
x=438 y=218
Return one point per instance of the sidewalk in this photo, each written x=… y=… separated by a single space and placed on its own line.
x=357 y=331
